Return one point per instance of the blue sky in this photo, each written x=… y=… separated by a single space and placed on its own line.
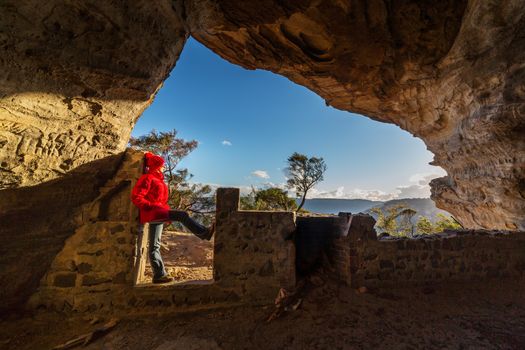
x=248 y=122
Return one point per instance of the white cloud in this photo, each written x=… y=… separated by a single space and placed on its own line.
x=243 y=188
x=418 y=187
x=261 y=173
x=281 y=185
x=413 y=191
x=357 y=193
x=373 y=195
x=337 y=193
x=226 y=143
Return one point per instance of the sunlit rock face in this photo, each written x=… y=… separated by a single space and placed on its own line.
x=450 y=72
x=75 y=76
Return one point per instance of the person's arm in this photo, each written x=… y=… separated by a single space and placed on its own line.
x=139 y=192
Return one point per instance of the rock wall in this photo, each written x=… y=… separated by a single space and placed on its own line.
x=92 y=260
x=363 y=261
x=97 y=268
x=75 y=77
x=254 y=247
x=36 y=221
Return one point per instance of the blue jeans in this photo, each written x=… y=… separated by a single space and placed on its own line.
x=155 y=234
x=155 y=259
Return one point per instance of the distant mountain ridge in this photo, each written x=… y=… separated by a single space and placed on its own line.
x=334 y=205
x=423 y=206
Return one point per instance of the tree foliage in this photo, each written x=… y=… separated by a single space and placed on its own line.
x=303 y=174
x=167 y=145
x=247 y=202
x=272 y=199
x=446 y=223
x=395 y=220
x=425 y=226
x=406 y=227
x=192 y=197
x=183 y=195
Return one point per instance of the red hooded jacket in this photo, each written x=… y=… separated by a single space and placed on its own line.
x=150 y=193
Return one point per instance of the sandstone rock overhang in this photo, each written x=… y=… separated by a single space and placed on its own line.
x=77 y=75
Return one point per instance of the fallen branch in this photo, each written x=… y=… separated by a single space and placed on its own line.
x=87 y=338
x=285 y=301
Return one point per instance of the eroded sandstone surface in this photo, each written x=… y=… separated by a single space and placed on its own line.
x=75 y=76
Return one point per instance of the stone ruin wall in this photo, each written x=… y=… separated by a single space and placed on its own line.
x=363 y=260
x=96 y=270
x=36 y=221
x=254 y=256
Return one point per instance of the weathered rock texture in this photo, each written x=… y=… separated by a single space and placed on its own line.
x=75 y=76
x=449 y=72
x=36 y=221
x=363 y=261
x=91 y=259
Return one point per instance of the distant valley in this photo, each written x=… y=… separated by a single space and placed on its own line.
x=423 y=206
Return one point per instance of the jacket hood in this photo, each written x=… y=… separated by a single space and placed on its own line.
x=153 y=162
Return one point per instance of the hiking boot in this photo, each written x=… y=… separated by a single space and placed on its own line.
x=210 y=232
x=163 y=279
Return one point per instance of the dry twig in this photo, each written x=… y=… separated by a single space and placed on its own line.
x=87 y=338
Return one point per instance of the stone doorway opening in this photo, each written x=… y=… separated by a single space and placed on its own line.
x=187 y=258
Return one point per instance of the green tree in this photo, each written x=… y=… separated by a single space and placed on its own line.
x=446 y=223
x=394 y=220
x=384 y=222
x=247 y=202
x=272 y=199
x=168 y=146
x=183 y=195
x=424 y=226
x=406 y=227
x=191 y=197
x=304 y=173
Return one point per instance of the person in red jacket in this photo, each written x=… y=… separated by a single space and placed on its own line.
x=150 y=195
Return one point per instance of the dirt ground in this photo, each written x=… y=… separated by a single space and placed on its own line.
x=328 y=315
x=489 y=315
x=186 y=257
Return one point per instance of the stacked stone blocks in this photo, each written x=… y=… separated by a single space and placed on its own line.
x=100 y=264
x=361 y=259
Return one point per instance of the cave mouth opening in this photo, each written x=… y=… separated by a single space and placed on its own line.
x=121 y=79
x=246 y=124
